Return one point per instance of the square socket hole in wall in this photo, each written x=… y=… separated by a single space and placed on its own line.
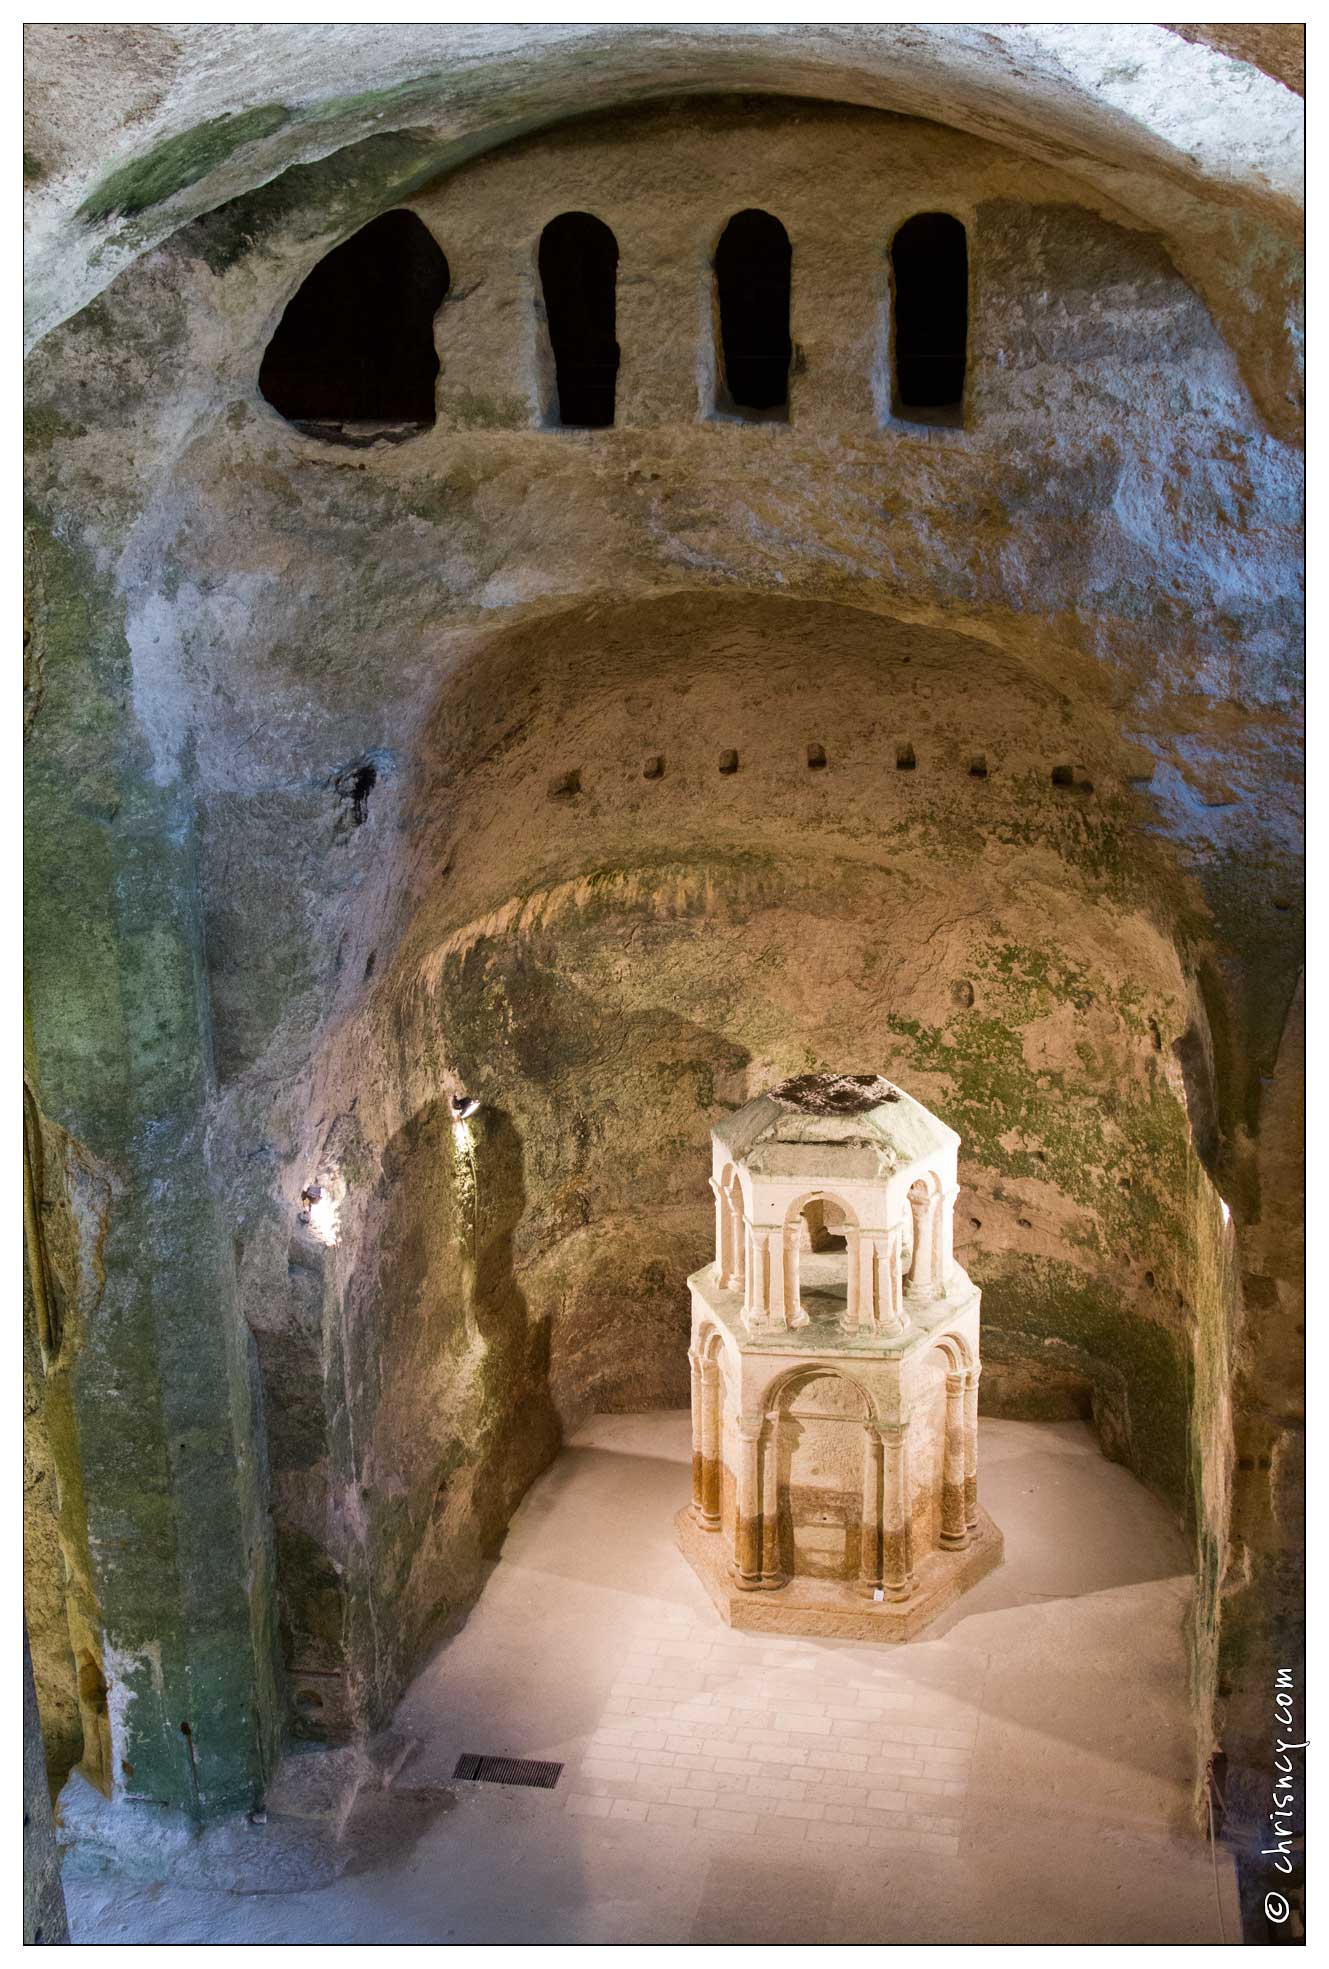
x=729 y=762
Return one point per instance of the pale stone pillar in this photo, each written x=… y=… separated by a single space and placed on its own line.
x=754 y=1283
x=747 y=1509
x=711 y=1445
x=897 y=1538
x=777 y=1258
x=721 y=1233
x=971 y=1446
x=923 y=1205
x=954 y=1534
x=946 y=1234
x=698 y=1451
x=738 y=1231
x=866 y=1306
x=870 y=1536
x=881 y=1273
x=897 y=1276
x=853 y=1297
x=772 y=1573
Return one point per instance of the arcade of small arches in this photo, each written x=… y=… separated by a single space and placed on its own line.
x=883 y=1265
x=356 y=346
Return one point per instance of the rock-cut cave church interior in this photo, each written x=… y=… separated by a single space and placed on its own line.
x=663 y=1035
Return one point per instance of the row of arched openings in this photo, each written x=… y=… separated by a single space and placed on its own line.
x=356 y=343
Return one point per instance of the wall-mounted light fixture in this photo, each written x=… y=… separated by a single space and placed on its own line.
x=318 y=1209
x=464 y=1106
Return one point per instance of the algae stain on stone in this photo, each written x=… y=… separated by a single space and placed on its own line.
x=178 y=162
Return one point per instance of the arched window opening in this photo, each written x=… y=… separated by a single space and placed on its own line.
x=578 y=275
x=823 y=1261
x=752 y=278
x=930 y=280
x=353 y=358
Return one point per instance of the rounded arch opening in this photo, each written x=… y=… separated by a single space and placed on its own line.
x=578 y=262
x=753 y=267
x=820 y=1230
x=930 y=318
x=353 y=356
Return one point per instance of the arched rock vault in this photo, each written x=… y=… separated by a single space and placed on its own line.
x=228 y=616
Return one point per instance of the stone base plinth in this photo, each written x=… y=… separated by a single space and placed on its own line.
x=834 y=1608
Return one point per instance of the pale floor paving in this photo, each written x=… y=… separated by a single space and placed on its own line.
x=1018 y=1774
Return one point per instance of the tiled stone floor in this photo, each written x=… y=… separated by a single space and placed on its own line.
x=744 y=1736
x=1017 y=1774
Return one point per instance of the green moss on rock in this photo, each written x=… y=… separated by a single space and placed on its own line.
x=178 y=162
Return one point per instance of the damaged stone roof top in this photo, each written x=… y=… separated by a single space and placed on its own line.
x=837 y=1108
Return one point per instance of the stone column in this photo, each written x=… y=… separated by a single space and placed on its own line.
x=946 y=1234
x=897 y=1277
x=882 y=1275
x=711 y=1446
x=853 y=1296
x=897 y=1538
x=777 y=1258
x=698 y=1450
x=772 y=1573
x=754 y=1282
x=721 y=1233
x=923 y=1205
x=971 y=1446
x=870 y=1534
x=736 y=1276
x=954 y=1535
x=747 y=1509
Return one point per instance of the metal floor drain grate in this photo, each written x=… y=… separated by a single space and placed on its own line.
x=507 y=1770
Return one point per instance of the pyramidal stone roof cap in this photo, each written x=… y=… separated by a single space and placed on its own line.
x=837 y=1107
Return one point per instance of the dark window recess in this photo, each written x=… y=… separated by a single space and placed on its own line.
x=578 y=273
x=507 y=1770
x=930 y=281
x=752 y=278
x=356 y=343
